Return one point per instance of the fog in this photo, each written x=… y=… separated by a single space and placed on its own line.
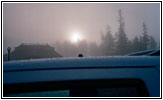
x=56 y=22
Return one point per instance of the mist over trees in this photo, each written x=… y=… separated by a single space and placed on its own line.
x=110 y=45
x=122 y=45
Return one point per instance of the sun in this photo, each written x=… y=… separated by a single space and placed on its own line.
x=76 y=37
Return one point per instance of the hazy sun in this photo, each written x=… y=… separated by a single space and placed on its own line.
x=76 y=37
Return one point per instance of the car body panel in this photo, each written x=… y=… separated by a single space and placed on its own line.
x=82 y=62
x=69 y=69
x=146 y=53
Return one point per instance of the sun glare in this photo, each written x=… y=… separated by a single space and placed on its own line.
x=76 y=37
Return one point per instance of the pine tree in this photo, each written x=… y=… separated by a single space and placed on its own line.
x=145 y=38
x=136 y=46
x=122 y=39
x=152 y=43
x=108 y=44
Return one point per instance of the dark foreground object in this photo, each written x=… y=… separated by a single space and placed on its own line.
x=121 y=76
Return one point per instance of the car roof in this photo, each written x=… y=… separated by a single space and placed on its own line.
x=85 y=62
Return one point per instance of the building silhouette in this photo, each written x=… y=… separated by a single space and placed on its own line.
x=32 y=51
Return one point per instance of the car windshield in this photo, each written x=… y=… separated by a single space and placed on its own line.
x=99 y=92
x=102 y=88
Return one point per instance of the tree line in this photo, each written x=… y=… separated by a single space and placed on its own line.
x=118 y=44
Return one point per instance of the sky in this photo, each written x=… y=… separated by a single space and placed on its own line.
x=51 y=22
